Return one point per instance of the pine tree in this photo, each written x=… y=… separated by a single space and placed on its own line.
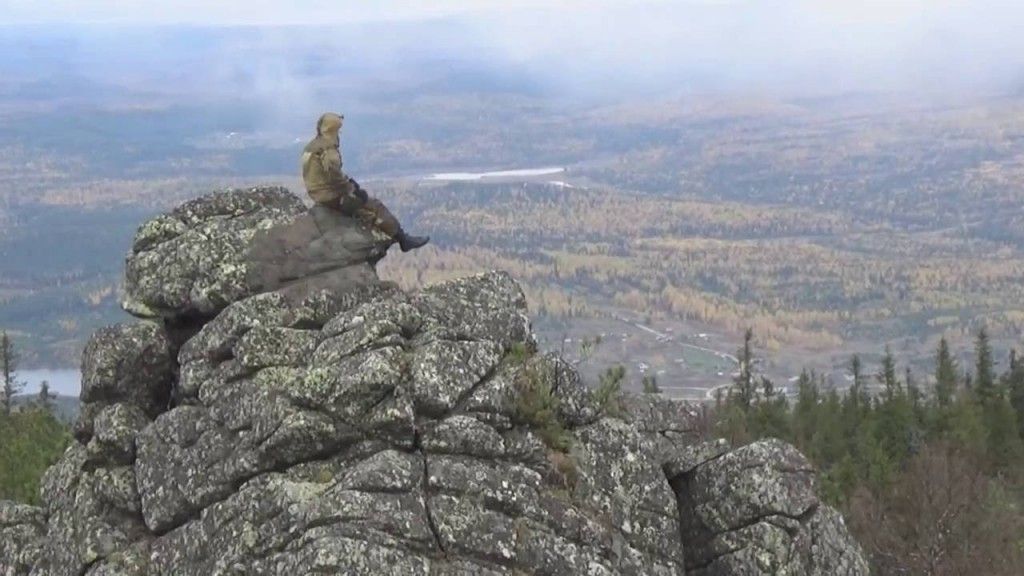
x=857 y=392
x=867 y=448
x=8 y=372
x=609 y=389
x=894 y=424
x=831 y=440
x=805 y=411
x=984 y=378
x=650 y=384
x=771 y=413
x=30 y=441
x=998 y=415
x=887 y=374
x=45 y=398
x=945 y=374
x=1004 y=441
x=1015 y=386
x=743 y=383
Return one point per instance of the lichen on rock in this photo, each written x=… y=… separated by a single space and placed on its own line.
x=756 y=510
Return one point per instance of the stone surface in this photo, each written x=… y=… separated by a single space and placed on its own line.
x=191 y=262
x=683 y=460
x=275 y=426
x=22 y=529
x=670 y=425
x=318 y=443
x=754 y=510
x=315 y=251
x=93 y=512
x=196 y=260
x=126 y=363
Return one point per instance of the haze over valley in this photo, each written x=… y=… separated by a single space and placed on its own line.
x=833 y=202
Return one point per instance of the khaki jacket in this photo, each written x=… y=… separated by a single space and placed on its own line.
x=325 y=181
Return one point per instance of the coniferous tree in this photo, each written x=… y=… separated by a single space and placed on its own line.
x=887 y=374
x=771 y=412
x=743 y=383
x=833 y=437
x=804 y=411
x=984 y=370
x=945 y=374
x=8 y=372
x=30 y=441
x=650 y=384
x=1015 y=388
x=1002 y=436
x=892 y=421
x=1004 y=441
x=45 y=398
x=856 y=371
x=868 y=449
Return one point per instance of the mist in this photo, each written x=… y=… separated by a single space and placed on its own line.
x=270 y=71
x=594 y=50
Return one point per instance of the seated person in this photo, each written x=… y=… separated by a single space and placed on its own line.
x=326 y=184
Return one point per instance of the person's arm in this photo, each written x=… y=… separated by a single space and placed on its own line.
x=358 y=191
x=331 y=162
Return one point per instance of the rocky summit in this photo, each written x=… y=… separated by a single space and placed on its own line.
x=279 y=410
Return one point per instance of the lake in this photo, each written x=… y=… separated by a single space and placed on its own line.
x=64 y=382
x=473 y=176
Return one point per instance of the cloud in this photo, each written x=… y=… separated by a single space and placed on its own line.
x=602 y=46
x=277 y=12
x=776 y=45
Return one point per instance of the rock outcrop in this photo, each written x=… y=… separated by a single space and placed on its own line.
x=22 y=529
x=312 y=419
x=195 y=260
x=754 y=510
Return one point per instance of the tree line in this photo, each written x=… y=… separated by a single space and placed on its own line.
x=930 y=477
x=31 y=436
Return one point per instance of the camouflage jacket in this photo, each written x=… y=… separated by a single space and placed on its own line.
x=325 y=181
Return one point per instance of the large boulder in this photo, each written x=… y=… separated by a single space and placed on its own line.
x=194 y=261
x=315 y=251
x=190 y=262
x=132 y=364
x=93 y=510
x=22 y=529
x=755 y=510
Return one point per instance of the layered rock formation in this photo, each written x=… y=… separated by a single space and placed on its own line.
x=279 y=415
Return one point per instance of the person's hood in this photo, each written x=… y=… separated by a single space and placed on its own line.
x=329 y=124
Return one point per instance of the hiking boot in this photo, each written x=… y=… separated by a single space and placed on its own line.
x=406 y=242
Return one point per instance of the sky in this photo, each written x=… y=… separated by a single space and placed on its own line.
x=799 y=46
x=219 y=12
